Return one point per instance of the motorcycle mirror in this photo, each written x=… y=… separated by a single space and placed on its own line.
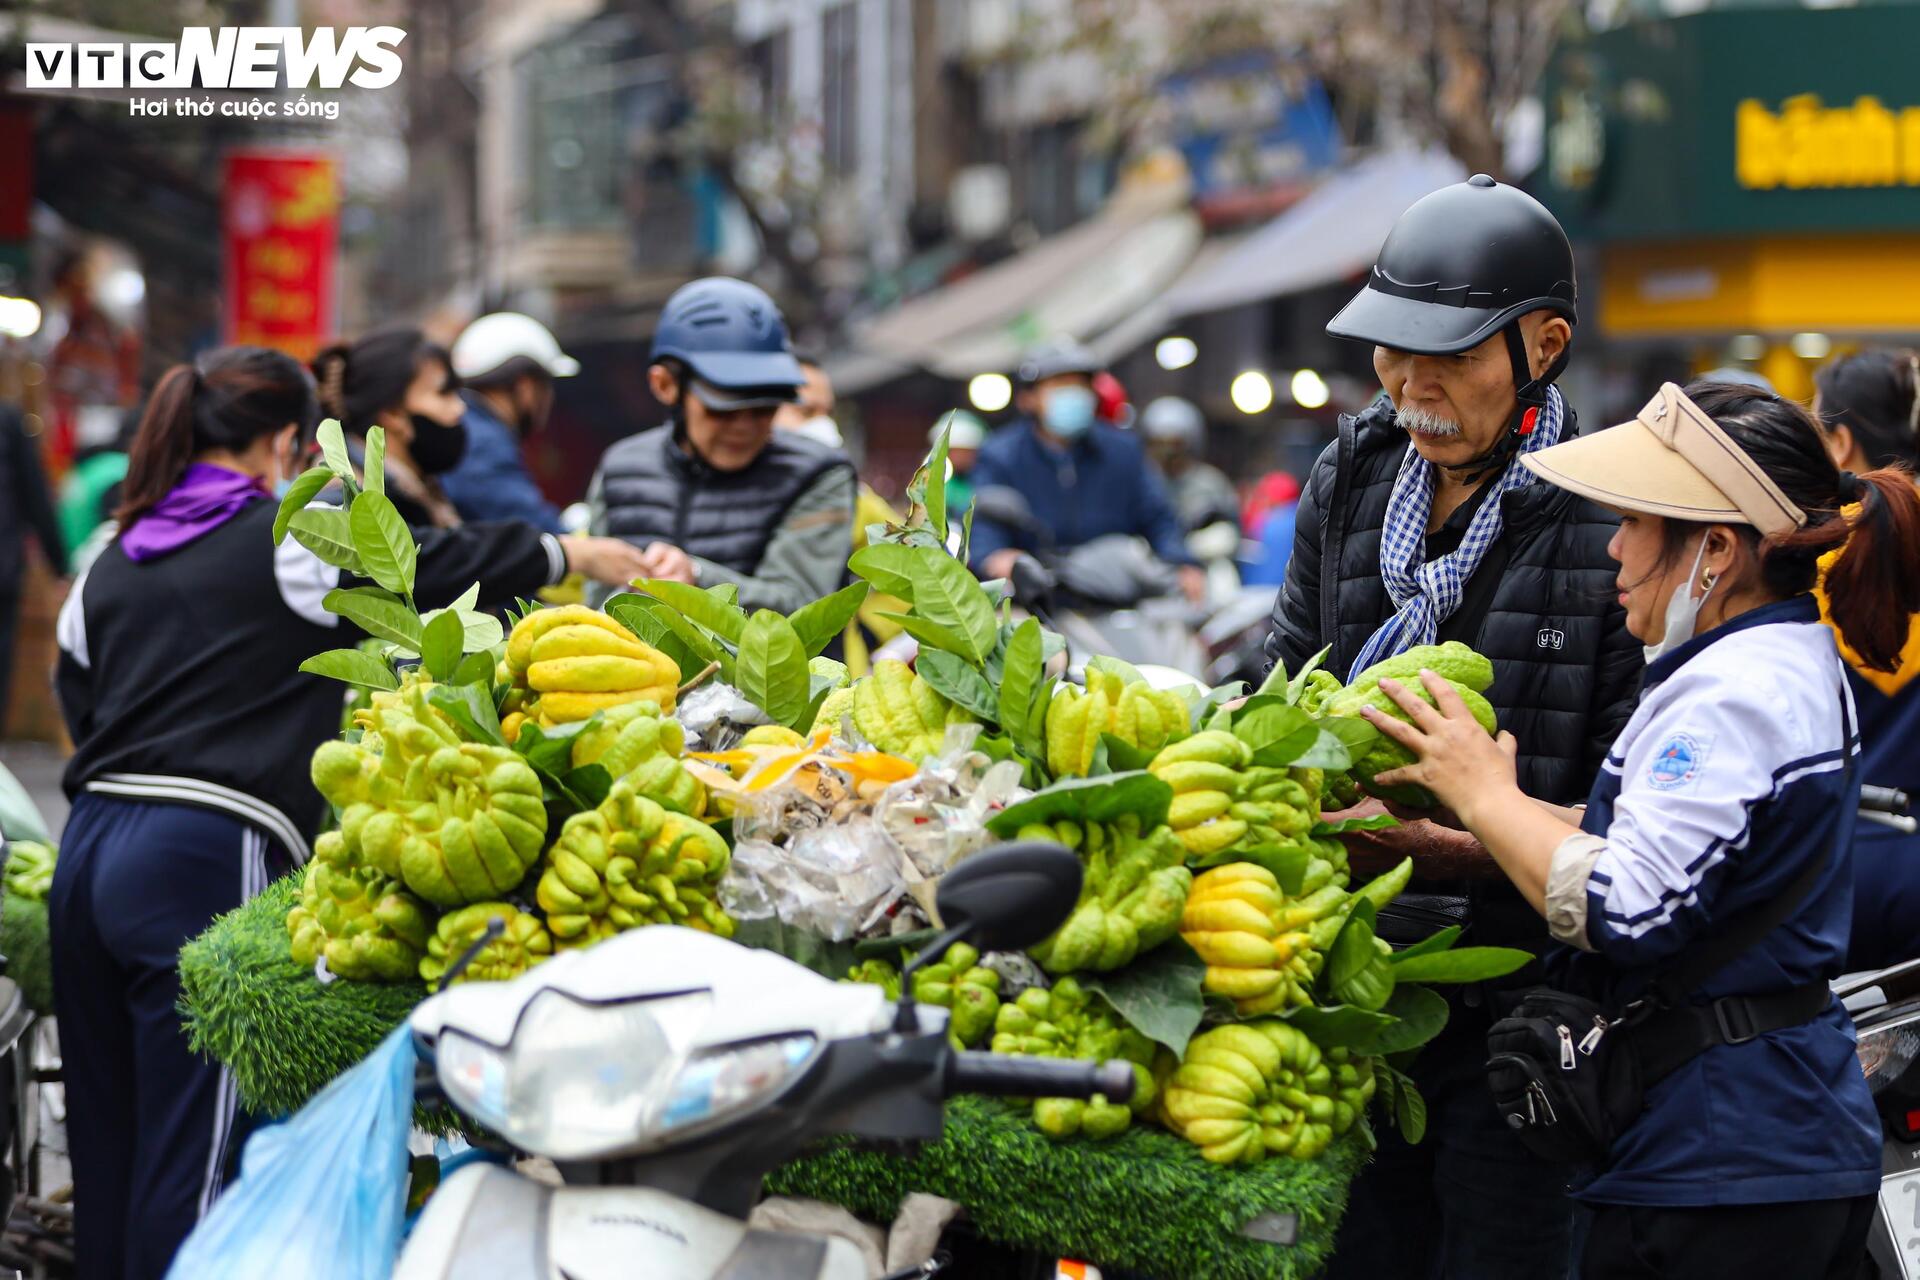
x=1005 y=505
x=1011 y=897
x=1031 y=581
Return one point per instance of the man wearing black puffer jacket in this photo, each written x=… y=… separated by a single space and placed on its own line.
x=1418 y=525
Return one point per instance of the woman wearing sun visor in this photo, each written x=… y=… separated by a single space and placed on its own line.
x=716 y=495
x=1690 y=1054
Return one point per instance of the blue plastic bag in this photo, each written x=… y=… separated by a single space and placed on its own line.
x=322 y=1195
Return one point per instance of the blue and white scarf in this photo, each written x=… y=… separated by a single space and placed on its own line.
x=1425 y=593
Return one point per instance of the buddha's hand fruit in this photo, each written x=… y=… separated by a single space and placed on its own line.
x=1064 y=1021
x=1250 y=1090
x=522 y=943
x=1261 y=948
x=1132 y=891
x=1468 y=673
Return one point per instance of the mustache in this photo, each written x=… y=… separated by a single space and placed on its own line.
x=1417 y=419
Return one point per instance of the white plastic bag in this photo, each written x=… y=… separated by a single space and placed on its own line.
x=323 y=1196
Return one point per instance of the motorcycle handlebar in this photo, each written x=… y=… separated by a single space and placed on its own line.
x=1022 y=1077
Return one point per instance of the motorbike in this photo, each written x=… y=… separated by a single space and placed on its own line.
x=665 y=1072
x=1886 y=1016
x=1108 y=596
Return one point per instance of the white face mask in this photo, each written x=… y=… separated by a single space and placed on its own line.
x=821 y=428
x=1683 y=611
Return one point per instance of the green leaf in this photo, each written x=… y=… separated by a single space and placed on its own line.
x=378 y=613
x=1341 y=1026
x=591 y=782
x=703 y=646
x=1356 y=733
x=384 y=542
x=305 y=487
x=724 y=620
x=1419 y=1014
x=727 y=593
x=929 y=634
x=636 y=614
x=1357 y=973
x=1019 y=683
x=1123 y=756
x=440 y=646
x=333 y=447
x=966 y=535
x=471 y=707
x=958 y=681
x=374 y=468
x=1428 y=945
x=475 y=669
x=352 y=666
x=1326 y=751
x=1386 y=886
x=327 y=533
x=1128 y=673
x=888 y=567
x=772 y=670
x=1089 y=800
x=1347 y=826
x=1159 y=995
x=1278 y=734
x=947 y=595
x=1225 y=693
x=551 y=750
x=1467 y=964
x=936 y=492
x=818 y=623
x=1409 y=1108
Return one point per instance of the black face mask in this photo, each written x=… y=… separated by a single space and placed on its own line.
x=436 y=448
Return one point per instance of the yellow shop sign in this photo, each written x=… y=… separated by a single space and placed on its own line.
x=1808 y=146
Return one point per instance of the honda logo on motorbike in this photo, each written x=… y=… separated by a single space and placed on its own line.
x=1549 y=638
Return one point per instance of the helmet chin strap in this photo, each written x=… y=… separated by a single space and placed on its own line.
x=1529 y=398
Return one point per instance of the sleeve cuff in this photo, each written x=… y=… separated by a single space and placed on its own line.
x=1567 y=888
x=556 y=558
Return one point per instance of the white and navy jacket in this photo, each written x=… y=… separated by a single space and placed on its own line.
x=180 y=677
x=1728 y=777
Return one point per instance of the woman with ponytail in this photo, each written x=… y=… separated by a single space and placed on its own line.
x=398 y=380
x=180 y=649
x=1704 y=892
x=1868 y=407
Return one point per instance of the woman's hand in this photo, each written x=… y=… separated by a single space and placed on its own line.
x=1456 y=761
x=606 y=560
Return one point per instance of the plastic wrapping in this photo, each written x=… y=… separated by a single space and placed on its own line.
x=836 y=880
x=716 y=717
x=324 y=1194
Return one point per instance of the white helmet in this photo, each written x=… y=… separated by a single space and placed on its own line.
x=492 y=340
x=1171 y=418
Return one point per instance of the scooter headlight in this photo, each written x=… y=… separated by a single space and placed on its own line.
x=581 y=1081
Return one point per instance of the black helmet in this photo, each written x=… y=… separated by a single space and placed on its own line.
x=733 y=338
x=1052 y=359
x=1457 y=267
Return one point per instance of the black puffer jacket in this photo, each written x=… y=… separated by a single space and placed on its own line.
x=1566 y=672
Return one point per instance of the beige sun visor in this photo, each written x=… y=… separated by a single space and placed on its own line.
x=1671 y=460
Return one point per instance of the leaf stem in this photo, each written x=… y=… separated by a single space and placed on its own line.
x=705 y=674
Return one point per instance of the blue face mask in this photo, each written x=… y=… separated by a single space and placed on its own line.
x=282 y=487
x=1068 y=411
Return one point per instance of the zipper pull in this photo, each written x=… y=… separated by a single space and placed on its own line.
x=1566 y=1047
x=1591 y=1041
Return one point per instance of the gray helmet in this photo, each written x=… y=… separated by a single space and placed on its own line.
x=1052 y=359
x=1173 y=418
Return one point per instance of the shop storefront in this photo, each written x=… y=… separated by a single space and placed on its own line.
x=1746 y=185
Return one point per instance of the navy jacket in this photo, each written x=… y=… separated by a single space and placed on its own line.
x=1729 y=776
x=1101 y=484
x=491 y=482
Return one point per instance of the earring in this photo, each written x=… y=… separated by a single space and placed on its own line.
x=1706 y=582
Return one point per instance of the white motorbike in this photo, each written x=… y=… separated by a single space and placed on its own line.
x=665 y=1072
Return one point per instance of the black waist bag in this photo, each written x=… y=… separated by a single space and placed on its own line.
x=1570 y=1075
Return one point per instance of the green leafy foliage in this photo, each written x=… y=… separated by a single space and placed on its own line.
x=946 y=595
x=958 y=681
x=333 y=448
x=383 y=542
x=1468 y=964
x=887 y=566
x=306 y=486
x=637 y=614
x=1084 y=800
x=379 y=613
x=819 y=622
x=327 y=533
x=1024 y=694
x=440 y=646
x=725 y=620
x=1159 y=994
x=771 y=671
x=352 y=666
x=375 y=470
x=471 y=707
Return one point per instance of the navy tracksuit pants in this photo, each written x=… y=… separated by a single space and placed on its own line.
x=152 y=1126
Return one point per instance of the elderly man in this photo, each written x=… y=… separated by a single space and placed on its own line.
x=1419 y=525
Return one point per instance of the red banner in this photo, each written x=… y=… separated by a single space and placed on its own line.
x=280 y=231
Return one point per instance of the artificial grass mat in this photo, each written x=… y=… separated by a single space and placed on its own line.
x=1145 y=1200
x=23 y=941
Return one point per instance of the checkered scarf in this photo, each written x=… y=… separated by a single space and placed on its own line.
x=1426 y=592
